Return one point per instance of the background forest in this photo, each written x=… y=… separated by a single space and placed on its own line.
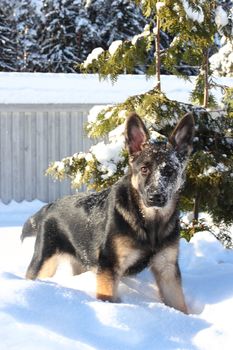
x=56 y=35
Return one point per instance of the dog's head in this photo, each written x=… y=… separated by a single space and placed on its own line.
x=157 y=169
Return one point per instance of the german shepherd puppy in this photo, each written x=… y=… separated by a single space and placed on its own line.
x=125 y=228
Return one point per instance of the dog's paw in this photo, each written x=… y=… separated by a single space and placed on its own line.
x=195 y=307
x=108 y=298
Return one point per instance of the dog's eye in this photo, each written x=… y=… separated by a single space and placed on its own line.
x=144 y=170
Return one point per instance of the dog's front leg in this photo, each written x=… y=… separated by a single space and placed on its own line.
x=106 y=285
x=167 y=273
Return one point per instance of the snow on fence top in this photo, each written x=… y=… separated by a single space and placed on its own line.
x=58 y=88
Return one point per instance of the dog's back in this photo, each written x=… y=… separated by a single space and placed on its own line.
x=85 y=212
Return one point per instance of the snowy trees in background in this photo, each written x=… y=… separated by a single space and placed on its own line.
x=55 y=35
x=218 y=27
x=221 y=63
x=58 y=40
x=87 y=33
x=8 y=56
x=27 y=21
x=115 y=20
x=101 y=22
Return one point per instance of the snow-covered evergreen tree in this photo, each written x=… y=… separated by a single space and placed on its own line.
x=109 y=21
x=209 y=180
x=58 y=36
x=8 y=56
x=116 y=20
x=27 y=22
x=218 y=24
x=87 y=32
x=221 y=63
x=185 y=22
x=192 y=26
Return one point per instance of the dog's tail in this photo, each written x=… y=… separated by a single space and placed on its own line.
x=29 y=228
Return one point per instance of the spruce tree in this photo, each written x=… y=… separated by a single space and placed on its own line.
x=110 y=21
x=58 y=37
x=87 y=31
x=221 y=63
x=217 y=25
x=116 y=20
x=192 y=27
x=27 y=22
x=209 y=177
x=8 y=57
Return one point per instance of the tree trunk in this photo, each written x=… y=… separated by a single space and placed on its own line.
x=206 y=76
x=196 y=207
x=157 y=52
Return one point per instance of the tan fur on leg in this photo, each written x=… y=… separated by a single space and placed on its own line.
x=167 y=275
x=106 y=286
x=49 y=267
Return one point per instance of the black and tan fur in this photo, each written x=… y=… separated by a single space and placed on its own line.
x=125 y=228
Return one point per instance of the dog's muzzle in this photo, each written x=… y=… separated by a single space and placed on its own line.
x=156 y=199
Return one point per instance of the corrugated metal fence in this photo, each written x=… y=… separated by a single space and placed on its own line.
x=31 y=136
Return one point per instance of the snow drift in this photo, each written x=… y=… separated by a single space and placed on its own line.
x=62 y=312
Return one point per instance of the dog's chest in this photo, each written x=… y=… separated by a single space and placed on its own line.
x=158 y=222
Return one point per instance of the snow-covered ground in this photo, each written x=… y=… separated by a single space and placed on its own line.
x=33 y=88
x=62 y=312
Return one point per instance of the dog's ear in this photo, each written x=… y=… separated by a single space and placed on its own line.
x=136 y=134
x=182 y=136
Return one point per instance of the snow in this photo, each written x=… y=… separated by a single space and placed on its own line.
x=93 y=56
x=197 y=15
x=114 y=46
x=38 y=5
x=94 y=111
x=63 y=313
x=108 y=155
x=221 y=17
x=145 y=33
x=220 y=167
x=222 y=62
x=117 y=133
x=88 y=3
x=49 y=88
x=159 y=5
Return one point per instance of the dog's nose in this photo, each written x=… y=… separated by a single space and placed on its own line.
x=157 y=199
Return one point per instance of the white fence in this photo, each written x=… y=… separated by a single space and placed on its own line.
x=31 y=136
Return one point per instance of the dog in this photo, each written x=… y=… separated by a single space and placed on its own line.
x=125 y=228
